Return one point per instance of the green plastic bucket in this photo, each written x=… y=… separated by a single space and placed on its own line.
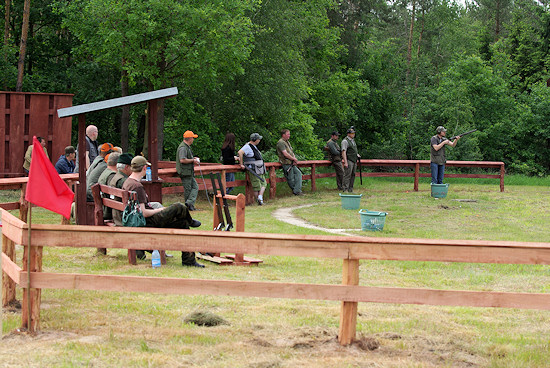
x=440 y=190
x=372 y=220
x=351 y=201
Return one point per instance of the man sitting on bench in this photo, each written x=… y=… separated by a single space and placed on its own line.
x=176 y=216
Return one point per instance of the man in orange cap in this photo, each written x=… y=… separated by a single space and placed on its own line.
x=185 y=166
x=96 y=169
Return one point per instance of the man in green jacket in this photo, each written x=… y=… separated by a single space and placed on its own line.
x=185 y=166
x=335 y=156
x=350 y=156
x=289 y=161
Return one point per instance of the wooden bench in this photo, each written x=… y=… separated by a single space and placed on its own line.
x=101 y=201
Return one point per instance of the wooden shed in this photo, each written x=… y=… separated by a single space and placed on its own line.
x=23 y=115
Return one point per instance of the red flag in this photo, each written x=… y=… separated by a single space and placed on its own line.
x=45 y=187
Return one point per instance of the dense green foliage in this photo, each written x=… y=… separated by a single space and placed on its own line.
x=395 y=70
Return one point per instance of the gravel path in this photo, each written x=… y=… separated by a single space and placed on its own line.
x=285 y=215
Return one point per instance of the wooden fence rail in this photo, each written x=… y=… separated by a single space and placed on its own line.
x=167 y=173
x=350 y=249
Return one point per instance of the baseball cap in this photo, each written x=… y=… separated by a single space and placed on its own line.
x=139 y=161
x=351 y=130
x=125 y=158
x=440 y=129
x=255 y=136
x=106 y=147
x=335 y=133
x=189 y=134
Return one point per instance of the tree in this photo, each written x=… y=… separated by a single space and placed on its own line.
x=164 y=43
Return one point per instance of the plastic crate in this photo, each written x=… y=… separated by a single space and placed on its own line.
x=439 y=190
x=351 y=201
x=372 y=220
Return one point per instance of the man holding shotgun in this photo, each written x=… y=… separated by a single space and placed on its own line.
x=350 y=155
x=437 y=156
x=288 y=160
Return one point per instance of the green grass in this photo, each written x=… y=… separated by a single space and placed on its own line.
x=104 y=329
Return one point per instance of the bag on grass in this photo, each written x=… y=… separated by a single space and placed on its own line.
x=132 y=215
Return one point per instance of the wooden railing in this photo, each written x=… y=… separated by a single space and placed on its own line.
x=168 y=173
x=20 y=183
x=350 y=249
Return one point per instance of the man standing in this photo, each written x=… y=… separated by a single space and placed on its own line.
x=252 y=160
x=335 y=156
x=185 y=166
x=437 y=154
x=350 y=156
x=92 y=148
x=28 y=154
x=65 y=163
x=287 y=158
x=176 y=216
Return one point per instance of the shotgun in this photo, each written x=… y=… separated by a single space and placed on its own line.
x=229 y=225
x=463 y=134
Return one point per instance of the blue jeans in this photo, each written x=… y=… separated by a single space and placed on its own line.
x=437 y=173
x=229 y=177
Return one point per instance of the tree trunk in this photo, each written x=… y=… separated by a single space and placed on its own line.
x=409 y=48
x=23 y=46
x=6 y=36
x=125 y=117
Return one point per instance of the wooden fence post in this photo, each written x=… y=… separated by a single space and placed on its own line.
x=36 y=266
x=272 y=182
x=348 y=314
x=416 y=175
x=8 y=285
x=502 y=177
x=239 y=222
x=313 y=185
x=249 y=191
x=23 y=204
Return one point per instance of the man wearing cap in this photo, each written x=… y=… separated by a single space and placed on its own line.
x=185 y=166
x=176 y=216
x=251 y=159
x=92 y=148
x=289 y=162
x=349 y=156
x=65 y=163
x=437 y=154
x=335 y=156
x=96 y=169
x=105 y=178
x=124 y=170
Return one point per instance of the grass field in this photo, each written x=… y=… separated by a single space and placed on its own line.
x=108 y=329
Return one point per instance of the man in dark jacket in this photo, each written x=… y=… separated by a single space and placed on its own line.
x=65 y=164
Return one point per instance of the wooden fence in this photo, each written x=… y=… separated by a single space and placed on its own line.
x=167 y=173
x=350 y=249
x=24 y=114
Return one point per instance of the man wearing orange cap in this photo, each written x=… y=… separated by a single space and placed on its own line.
x=96 y=169
x=185 y=166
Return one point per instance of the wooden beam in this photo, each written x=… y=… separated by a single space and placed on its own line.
x=169 y=285
x=10 y=271
x=117 y=102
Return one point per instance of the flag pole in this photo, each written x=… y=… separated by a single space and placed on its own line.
x=29 y=272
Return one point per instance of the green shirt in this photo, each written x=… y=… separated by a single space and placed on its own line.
x=283 y=145
x=334 y=150
x=184 y=151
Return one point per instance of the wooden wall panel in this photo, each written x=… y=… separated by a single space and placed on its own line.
x=23 y=115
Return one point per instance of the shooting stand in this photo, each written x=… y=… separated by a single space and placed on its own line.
x=238 y=259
